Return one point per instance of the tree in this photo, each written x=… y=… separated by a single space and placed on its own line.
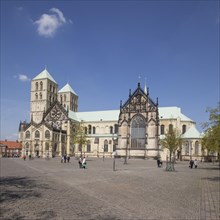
x=79 y=136
x=211 y=138
x=171 y=141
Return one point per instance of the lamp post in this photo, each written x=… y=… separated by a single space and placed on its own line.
x=114 y=154
x=126 y=151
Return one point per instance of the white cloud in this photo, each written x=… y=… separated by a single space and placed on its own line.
x=48 y=24
x=23 y=78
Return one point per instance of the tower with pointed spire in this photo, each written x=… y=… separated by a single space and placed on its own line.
x=68 y=98
x=43 y=94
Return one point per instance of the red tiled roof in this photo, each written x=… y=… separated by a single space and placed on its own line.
x=11 y=144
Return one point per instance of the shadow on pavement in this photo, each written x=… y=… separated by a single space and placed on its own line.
x=215 y=178
x=13 y=188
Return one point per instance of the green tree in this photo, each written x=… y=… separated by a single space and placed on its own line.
x=79 y=136
x=211 y=138
x=171 y=142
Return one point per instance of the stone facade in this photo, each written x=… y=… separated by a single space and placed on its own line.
x=132 y=131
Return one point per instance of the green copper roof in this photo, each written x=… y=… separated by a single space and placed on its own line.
x=192 y=132
x=67 y=88
x=44 y=75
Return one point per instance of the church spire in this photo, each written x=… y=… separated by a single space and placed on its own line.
x=145 y=87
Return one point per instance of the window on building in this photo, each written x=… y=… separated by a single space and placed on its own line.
x=138 y=132
x=41 y=85
x=37 y=134
x=93 y=130
x=40 y=95
x=170 y=128
x=162 y=128
x=106 y=146
x=61 y=99
x=47 y=134
x=36 y=96
x=27 y=135
x=36 y=85
x=53 y=89
x=187 y=148
x=196 y=148
x=90 y=129
x=50 y=88
x=116 y=128
x=111 y=130
x=64 y=97
x=88 y=147
x=183 y=129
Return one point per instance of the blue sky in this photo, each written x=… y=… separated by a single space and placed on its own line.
x=101 y=47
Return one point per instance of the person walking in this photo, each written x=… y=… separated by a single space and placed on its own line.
x=191 y=162
x=80 y=162
x=196 y=163
x=68 y=158
x=84 y=162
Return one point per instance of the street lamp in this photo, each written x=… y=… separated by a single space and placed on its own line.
x=126 y=151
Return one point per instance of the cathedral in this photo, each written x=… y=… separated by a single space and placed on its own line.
x=133 y=131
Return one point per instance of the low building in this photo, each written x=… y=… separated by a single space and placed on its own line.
x=10 y=148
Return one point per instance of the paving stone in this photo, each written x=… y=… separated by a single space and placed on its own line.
x=47 y=189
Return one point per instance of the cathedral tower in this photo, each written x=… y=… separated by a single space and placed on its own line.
x=43 y=94
x=68 y=98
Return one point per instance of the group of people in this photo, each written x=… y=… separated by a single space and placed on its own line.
x=82 y=162
x=193 y=163
x=65 y=158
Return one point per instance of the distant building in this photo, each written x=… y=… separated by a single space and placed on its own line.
x=134 y=130
x=10 y=148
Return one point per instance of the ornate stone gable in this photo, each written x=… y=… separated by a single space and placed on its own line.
x=56 y=116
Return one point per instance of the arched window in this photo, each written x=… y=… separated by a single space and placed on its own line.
x=170 y=128
x=40 y=95
x=162 y=128
x=47 y=134
x=27 y=145
x=27 y=135
x=111 y=130
x=41 y=85
x=36 y=85
x=37 y=134
x=90 y=129
x=88 y=147
x=183 y=129
x=196 y=148
x=187 y=148
x=93 y=130
x=116 y=128
x=106 y=146
x=138 y=132
x=53 y=89
x=36 y=96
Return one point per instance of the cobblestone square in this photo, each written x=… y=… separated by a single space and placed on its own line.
x=49 y=189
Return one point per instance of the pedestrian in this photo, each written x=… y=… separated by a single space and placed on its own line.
x=80 y=162
x=68 y=158
x=84 y=162
x=159 y=163
x=191 y=162
x=64 y=158
x=24 y=157
x=196 y=163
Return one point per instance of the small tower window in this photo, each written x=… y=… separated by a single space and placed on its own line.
x=183 y=129
x=41 y=85
x=90 y=129
x=111 y=130
x=61 y=99
x=40 y=95
x=93 y=130
x=116 y=128
x=36 y=86
x=36 y=96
